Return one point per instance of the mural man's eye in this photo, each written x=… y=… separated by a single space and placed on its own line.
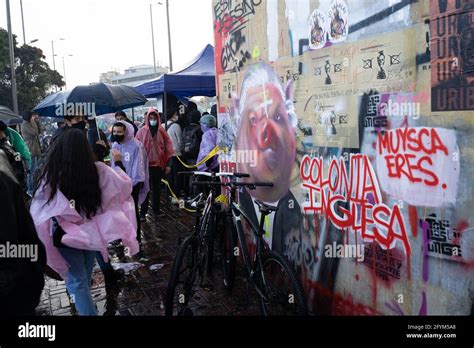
x=253 y=120
x=278 y=117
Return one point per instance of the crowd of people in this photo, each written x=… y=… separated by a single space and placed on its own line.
x=87 y=191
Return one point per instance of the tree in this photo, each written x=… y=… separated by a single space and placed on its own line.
x=35 y=80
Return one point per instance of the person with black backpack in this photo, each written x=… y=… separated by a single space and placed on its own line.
x=192 y=136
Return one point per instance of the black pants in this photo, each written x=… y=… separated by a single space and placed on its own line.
x=135 y=195
x=156 y=174
x=175 y=180
x=188 y=179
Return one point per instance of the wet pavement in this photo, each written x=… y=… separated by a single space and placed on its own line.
x=142 y=292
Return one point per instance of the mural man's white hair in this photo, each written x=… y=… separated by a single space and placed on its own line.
x=256 y=76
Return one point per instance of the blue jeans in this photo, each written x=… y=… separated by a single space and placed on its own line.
x=31 y=172
x=78 y=284
x=104 y=266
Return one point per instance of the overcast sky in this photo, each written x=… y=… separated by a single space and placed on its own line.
x=104 y=35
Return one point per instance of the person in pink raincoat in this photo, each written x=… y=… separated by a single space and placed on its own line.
x=78 y=207
x=159 y=149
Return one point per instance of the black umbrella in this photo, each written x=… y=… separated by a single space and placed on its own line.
x=9 y=117
x=95 y=99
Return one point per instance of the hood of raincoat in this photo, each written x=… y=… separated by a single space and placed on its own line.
x=134 y=159
x=208 y=143
x=159 y=148
x=129 y=134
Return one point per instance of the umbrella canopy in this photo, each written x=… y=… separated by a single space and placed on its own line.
x=197 y=78
x=9 y=117
x=95 y=99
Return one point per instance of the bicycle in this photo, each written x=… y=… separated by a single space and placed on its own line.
x=194 y=259
x=269 y=270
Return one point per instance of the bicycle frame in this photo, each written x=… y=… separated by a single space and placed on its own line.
x=255 y=266
x=203 y=235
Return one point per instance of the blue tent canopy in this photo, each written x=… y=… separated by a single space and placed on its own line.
x=197 y=79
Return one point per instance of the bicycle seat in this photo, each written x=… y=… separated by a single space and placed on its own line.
x=265 y=208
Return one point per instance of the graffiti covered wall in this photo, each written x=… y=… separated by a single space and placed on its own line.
x=361 y=113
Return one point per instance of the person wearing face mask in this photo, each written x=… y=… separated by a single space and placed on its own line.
x=208 y=143
x=159 y=149
x=77 y=122
x=134 y=162
x=100 y=147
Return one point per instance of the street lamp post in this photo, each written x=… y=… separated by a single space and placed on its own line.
x=169 y=35
x=64 y=71
x=152 y=37
x=12 y=59
x=52 y=48
x=54 y=62
x=23 y=22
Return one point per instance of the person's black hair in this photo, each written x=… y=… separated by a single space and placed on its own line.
x=121 y=113
x=69 y=118
x=170 y=113
x=92 y=123
x=191 y=107
x=205 y=113
x=27 y=115
x=70 y=168
x=214 y=110
x=3 y=126
x=194 y=117
x=119 y=124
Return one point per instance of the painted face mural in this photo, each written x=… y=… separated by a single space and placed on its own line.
x=265 y=129
x=382 y=138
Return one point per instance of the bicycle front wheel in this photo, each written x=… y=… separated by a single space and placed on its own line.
x=281 y=289
x=182 y=278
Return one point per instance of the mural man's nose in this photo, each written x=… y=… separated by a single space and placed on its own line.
x=265 y=133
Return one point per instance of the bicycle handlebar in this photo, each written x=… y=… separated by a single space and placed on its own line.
x=218 y=183
x=236 y=175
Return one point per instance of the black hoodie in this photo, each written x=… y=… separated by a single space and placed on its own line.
x=21 y=279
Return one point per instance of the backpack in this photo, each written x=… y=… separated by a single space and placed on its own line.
x=15 y=162
x=192 y=136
